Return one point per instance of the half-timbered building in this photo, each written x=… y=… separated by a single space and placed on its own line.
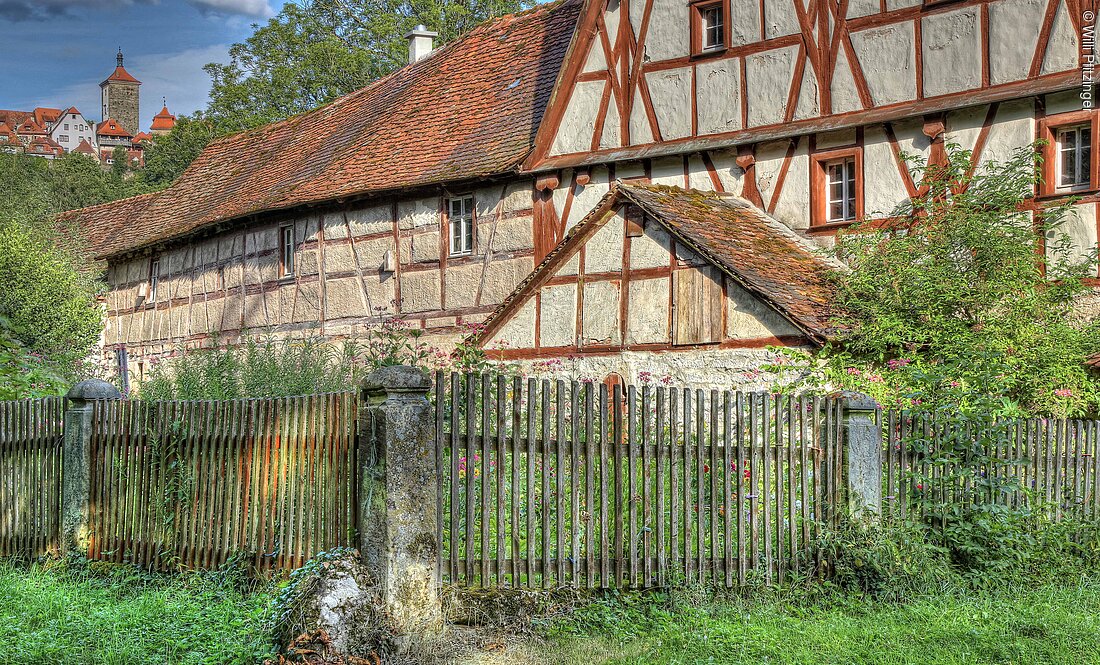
x=433 y=194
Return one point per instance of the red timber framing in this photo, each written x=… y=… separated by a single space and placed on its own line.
x=823 y=43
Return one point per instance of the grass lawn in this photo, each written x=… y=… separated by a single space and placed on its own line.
x=1027 y=626
x=54 y=617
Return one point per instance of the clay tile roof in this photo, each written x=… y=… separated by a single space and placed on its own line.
x=109 y=219
x=110 y=127
x=6 y=131
x=46 y=116
x=120 y=74
x=14 y=118
x=142 y=136
x=71 y=109
x=43 y=145
x=468 y=110
x=163 y=120
x=85 y=148
x=29 y=126
x=762 y=254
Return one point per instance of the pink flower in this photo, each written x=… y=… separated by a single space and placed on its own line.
x=898 y=363
x=1063 y=392
x=852 y=371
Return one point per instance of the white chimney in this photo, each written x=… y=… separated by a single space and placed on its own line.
x=420 y=42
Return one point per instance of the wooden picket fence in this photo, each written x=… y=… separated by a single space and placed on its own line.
x=190 y=484
x=550 y=483
x=30 y=476
x=1043 y=464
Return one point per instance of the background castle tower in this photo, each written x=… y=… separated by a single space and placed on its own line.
x=120 y=97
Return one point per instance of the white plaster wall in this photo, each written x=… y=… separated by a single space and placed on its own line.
x=668 y=29
x=887 y=58
x=578 y=123
x=718 y=95
x=1061 y=54
x=1014 y=27
x=952 y=51
x=780 y=18
x=670 y=91
x=768 y=83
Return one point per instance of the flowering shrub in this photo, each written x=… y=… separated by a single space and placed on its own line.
x=955 y=292
x=25 y=374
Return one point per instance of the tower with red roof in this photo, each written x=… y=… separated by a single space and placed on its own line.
x=120 y=93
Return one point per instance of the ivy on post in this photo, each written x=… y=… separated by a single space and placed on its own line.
x=862 y=455
x=76 y=462
x=398 y=495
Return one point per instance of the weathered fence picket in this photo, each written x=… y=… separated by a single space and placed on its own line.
x=190 y=484
x=30 y=476
x=556 y=483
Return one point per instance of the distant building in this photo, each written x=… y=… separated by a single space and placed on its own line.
x=44 y=131
x=71 y=128
x=121 y=97
x=163 y=122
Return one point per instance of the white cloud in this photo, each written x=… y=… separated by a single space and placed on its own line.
x=178 y=77
x=255 y=8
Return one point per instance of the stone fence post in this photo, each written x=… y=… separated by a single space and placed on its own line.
x=76 y=460
x=863 y=455
x=398 y=495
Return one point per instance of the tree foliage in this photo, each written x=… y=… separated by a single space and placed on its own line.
x=956 y=290
x=49 y=317
x=169 y=155
x=314 y=51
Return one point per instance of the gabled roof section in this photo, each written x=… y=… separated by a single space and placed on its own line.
x=30 y=127
x=469 y=110
x=110 y=127
x=85 y=148
x=763 y=255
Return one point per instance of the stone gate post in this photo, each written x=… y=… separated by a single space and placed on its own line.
x=863 y=455
x=398 y=494
x=76 y=461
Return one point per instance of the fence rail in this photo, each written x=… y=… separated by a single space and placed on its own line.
x=30 y=476
x=565 y=483
x=189 y=484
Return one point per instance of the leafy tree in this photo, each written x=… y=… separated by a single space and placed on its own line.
x=314 y=51
x=954 y=292
x=48 y=303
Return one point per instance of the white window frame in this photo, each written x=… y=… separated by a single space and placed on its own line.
x=847 y=200
x=286 y=250
x=1082 y=165
x=154 y=279
x=460 y=219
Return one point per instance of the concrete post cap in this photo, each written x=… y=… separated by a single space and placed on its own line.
x=858 y=401
x=93 y=389
x=398 y=379
x=421 y=30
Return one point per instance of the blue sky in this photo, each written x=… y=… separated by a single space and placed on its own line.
x=56 y=52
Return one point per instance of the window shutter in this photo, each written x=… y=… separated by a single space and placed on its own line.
x=698 y=305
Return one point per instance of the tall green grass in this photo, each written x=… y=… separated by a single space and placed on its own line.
x=51 y=615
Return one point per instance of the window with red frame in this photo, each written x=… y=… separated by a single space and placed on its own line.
x=708 y=28
x=1069 y=156
x=836 y=187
